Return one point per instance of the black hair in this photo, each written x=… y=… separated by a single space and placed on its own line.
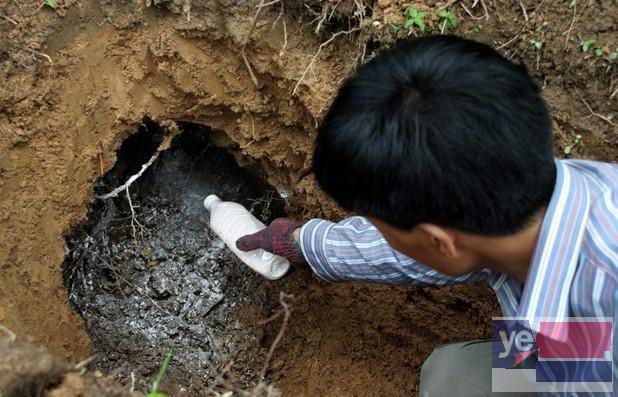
x=441 y=130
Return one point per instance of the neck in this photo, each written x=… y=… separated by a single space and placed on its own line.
x=510 y=254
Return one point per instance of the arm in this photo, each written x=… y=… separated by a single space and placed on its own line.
x=354 y=249
x=349 y=250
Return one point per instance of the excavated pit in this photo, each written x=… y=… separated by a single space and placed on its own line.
x=162 y=280
x=111 y=63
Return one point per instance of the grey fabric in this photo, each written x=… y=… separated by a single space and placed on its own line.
x=462 y=370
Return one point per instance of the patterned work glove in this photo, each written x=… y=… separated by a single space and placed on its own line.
x=277 y=239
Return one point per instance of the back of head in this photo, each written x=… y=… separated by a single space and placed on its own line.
x=440 y=130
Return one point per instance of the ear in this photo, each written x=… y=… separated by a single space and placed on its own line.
x=441 y=238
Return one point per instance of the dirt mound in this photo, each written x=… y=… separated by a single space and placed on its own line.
x=80 y=78
x=27 y=370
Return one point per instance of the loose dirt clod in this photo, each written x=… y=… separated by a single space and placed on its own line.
x=31 y=371
x=27 y=370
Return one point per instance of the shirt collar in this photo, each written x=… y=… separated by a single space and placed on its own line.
x=547 y=289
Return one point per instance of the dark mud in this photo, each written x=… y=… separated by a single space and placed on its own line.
x=163 y=280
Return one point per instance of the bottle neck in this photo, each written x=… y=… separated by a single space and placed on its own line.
x=211 y=202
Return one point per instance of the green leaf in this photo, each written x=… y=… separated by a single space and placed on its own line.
x=613 y=55
x=567 y=150
x=450 y=19
x=536 y=44
x=599 y=52
x=50 y=3
x=154 y=392
x=396 y=28
x=421 y=25
x=416 y=18
x=587 y=44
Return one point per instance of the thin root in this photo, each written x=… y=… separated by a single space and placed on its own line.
x=165 y=144
x=101 y=162
x=285 y=37
x=593 y=113
x=10 y=334
x=324 y=44
x=134 y=220
x=286 y=318
x=523 y=10
x=36 y=53
x=470 y=13
x=244 y=44
x=268 y=4
x=512 y=39
x=523 y=26
x=249 y=68
x=568 y=32
x=261 y=389
x=84 y=363
x=9 y=19
x=497 y=11
x=252 y=133
x=132 y=389
x=485 y=10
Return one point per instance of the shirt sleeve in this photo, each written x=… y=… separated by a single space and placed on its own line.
x=354 y=249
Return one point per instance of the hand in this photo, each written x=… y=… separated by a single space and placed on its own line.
x=277 y=238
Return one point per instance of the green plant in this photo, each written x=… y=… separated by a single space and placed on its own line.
x=395 y=27
x=478 y=28
x=537 y=44
x=415 y=18
x=586 y=45
x=449 y=20
x=154 y=392
x=50 y=3
x=599 y=51
x=576 y=140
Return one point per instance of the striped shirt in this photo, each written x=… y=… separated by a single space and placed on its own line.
x=574 y=269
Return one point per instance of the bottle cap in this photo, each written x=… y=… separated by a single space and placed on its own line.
x=210 y=200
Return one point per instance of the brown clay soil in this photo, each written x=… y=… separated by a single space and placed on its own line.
x=79 y=79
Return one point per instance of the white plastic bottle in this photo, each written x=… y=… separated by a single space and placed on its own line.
x=231 y=221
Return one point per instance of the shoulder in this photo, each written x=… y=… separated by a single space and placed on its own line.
x=600 y=241
x=600 y=177
x=600 y=245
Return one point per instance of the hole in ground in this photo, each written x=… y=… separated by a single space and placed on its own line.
x=171 y=283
